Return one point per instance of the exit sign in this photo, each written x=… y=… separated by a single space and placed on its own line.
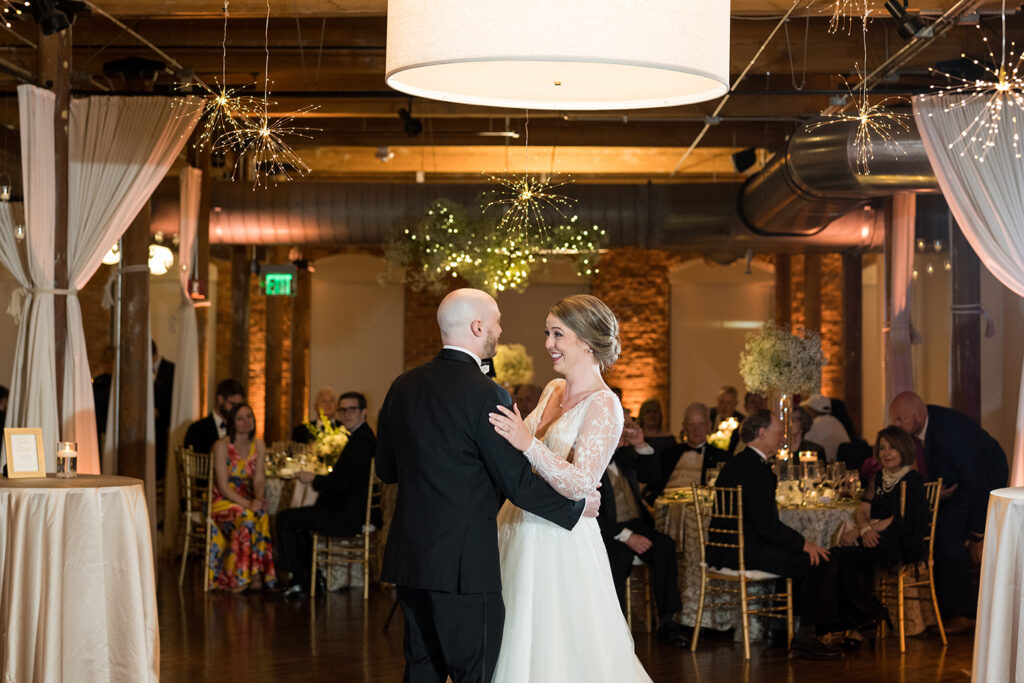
x=278 y=280
x=278 y=284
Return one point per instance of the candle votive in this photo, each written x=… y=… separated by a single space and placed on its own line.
x=67 y=460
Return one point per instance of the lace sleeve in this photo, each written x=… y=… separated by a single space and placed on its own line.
x=593 y=449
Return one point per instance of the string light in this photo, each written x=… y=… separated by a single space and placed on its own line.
x=876 y=124
x=8 y=8
x=1002 y=91
x=843 y=12
x=531 y=204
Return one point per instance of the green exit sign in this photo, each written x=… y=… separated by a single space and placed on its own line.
x=278 y=284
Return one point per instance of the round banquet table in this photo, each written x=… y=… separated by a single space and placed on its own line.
x=998 y=637
x=677 y=519
x=78 y=591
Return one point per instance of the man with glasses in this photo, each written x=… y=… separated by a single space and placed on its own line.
x=340 y=508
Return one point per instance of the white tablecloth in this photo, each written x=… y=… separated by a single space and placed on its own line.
x=998 y=636
x=78 y=591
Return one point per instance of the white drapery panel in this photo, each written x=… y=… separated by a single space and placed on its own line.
x=33 y=399
x=120 y=148
x=899 y=372
x=986 y=198
x=185 y=397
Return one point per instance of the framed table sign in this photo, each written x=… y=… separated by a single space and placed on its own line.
x=25 y=457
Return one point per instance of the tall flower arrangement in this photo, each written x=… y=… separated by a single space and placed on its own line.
x=776 y=359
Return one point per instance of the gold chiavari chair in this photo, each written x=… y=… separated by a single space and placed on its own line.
x=363 y=548
x=639 y=581
x=913 y=575
x=719 y=511
x=196 y=474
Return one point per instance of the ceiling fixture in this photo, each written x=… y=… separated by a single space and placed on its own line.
x=566 y=55
x=51 y=19
x=412 y=125
x=908 y=21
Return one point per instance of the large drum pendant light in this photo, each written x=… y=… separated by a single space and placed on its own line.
x=560 y=54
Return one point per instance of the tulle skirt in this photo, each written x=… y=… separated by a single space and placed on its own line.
x=562 y=617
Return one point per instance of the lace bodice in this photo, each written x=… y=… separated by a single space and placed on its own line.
x=590 y=430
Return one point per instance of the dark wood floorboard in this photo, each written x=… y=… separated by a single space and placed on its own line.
x=223 y=638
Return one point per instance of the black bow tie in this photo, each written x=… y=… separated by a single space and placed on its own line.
x=487 y=366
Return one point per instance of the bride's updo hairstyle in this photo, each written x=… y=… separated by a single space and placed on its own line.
x=594 y=323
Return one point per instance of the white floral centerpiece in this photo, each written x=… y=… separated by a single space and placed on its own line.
x=512 y=365
x=329 y=441
x=776 y=359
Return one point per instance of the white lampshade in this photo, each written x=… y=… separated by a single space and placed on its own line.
x=160 y=259
x=560 y=54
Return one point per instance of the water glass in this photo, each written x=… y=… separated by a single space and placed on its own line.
x=67 y=460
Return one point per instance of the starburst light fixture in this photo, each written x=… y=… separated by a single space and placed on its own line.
x=223 y=111
x=1002 y=88
x=531 y=205
x=843 y=12
x=9 y=9
x=261 y=149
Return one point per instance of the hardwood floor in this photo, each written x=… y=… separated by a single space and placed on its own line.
x=222 y=638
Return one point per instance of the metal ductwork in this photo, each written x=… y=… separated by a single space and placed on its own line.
x=814 y=180
x=690 y=216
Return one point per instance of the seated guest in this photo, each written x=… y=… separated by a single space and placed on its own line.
x=688 y=462
x=526 y=397
x=825 y=429
x=201 y=435
x=725 y=407
x=651 y=421
x=340 y=509
x=892 y=534
x=241 y=555
x=753 y=402
x=628 y=531
x=325 y=403
x=769 y=544
x=798 y=441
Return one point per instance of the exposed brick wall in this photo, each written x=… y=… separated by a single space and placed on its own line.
x=257 y=354
x=222 y=325
x=634 y=282
x=832 y=324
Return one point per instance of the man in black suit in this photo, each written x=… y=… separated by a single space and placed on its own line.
x=202 y=434
x=689 y=461
x=628 y=531
x=340 y=508
x=971 y=464
x=770 y=545
x=436 y=441
x=163 y=394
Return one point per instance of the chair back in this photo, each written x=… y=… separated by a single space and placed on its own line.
x=932 y=491
x=196 y=480
x=374 y=496
x=719 y=512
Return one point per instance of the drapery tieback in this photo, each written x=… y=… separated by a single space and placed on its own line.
x=976 y=309
x=16 y=307
x=914 y=336
x=137 y=268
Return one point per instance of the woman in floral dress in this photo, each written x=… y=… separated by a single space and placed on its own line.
x=241 y=555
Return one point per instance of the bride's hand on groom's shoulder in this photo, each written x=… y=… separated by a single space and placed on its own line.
x=509 y=424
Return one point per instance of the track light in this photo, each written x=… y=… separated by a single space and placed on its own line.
x=744 y=159
x=51 y=19
x=908 y=21
x=412 y=125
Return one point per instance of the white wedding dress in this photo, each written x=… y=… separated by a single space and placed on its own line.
x=563 y=622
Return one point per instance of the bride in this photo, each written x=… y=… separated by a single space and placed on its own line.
x=563 y=621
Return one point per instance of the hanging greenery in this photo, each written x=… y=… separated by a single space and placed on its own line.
x=449 y=242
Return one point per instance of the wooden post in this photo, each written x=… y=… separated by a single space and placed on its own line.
x=812 y=292
x=276 y=416
x=783 y=289
x=853 y=337
x=55 y=72
x=966 y=338
x=301 y=305
x=133 y=380
x=240 y=315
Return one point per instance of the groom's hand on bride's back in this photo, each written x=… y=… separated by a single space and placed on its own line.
x=593 y=503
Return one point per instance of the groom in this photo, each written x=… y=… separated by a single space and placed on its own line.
x=452 y=470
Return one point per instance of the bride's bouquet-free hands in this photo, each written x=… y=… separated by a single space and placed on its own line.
x=509 y=424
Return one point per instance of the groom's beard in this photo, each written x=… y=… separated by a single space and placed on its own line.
x=490 y=345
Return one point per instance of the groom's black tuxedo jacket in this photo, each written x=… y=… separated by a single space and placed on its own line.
x=434 y=439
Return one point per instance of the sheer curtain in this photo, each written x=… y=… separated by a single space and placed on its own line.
x=33 y=398
x=120 y=148
x=986 y=198
x=899 y=372
x=185 y=397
